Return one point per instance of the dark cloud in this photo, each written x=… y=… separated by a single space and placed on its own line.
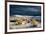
x=25 y=10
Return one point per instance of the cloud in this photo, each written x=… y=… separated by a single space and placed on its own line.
x=28 y=9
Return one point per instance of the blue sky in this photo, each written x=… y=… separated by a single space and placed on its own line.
x=25 y=10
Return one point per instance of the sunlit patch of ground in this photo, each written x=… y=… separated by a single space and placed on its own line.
x=18 y=22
